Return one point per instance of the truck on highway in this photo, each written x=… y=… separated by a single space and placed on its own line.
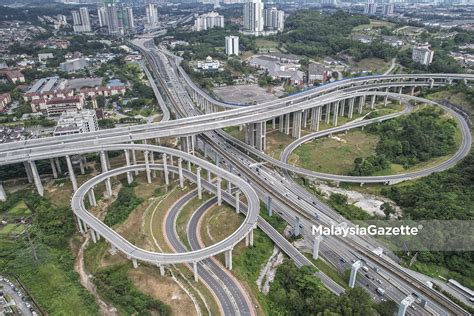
x=380 y=291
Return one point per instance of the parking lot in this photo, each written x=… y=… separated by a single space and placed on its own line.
x=13 y=299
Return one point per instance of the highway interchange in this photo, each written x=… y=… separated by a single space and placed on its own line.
x=292 y=202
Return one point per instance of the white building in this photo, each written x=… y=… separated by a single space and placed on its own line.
x=232 y=45
x=81 y=20
x=274 y=20
x=253 y=16
x=74 y=122
x=370 y=7
x=209 y=64
x=388 y=9
x=208 y=21
x=73 y=65
x=422 y=54
x=111 y=15
x=102 y=14
x=152 y=15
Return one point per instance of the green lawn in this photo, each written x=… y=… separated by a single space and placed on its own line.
x=335 y=156
x=20 y=209
x=12 y=229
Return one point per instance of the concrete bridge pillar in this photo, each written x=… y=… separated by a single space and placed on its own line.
x=165 y=169
x=228 y=259
x=317 y=242
x=152 y=161
x=217 y=159
x=315 y=118
x=273 y=123
x=53 y=168
x=260 y=137
x=385 y=98
x=269 y=205
x=296 y=228
x=134 y=159
x=29 y=175
x=91 y=195
x=3 y=195
x=199 y=186
x=229 y=186
x=79 y=224
x=412 y=91
x=237 y=202
x=361 y=103
x=402 y=309
x=58 y=165
x=281 y=123
x=328 y=112
x=162 y=270
x=296 y=132
x=355 y=267
x=304 y=118
x=250 y=134
x=195 y=270
x=81 y=166
x=180 y=172
x=351 y=108
x=94 y=238
x=135 y=263
x=336 y=112
x=342 y=107
x=103 y=162
x=287 y=124
x=372 y=103
x=209 y=176
x=219 y=191
x=146 y=155
x=431 y=81
x=36 y=178
x=72 y=176
x=127 y=160
x=251 y=238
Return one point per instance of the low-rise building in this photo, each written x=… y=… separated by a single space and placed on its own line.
x=275 y=68
x=76 y=122
x=209 y=64
x=73 y=65
x=317 y=72
x=13 y=76
x=5 y=99
x=57 y=105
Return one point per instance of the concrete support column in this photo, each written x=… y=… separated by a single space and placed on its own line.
x=296 y=132
x=92 y=200
x=171 y=165
x=81 y=166
x=402 y=309
x=162 y=270
x=372 y=103
x=237 y=202
x=108 y=182
x=72 y=176
x=328 y=112
x=58 y=165
x=412 y=91
x=431 y=81
x=228 y=259
x=3 y=195
x=296 y=228
x=281 y=123
x=269 y=205
x=79 y=224
x=351 y=108
x=152 y=161
x=209 y=176
x=219 y=191
x=355 y=267
x=287 y=124
x=135 y=263
x=146 y=154
x=342 y=106
x=36 y=178
x=180 y=172
x=195 y=270
x=94 y=238
x=361 y=103
x=198 y=176
x=134 y=159
x=250 y=134
x=229 y=186
x=127 y=160
x=273 y=123
x=165 y=169
x=336 y=112
x=260 y=137
x=317 y=242
x=304 y=118
x=53 y=168
x=251 y=238
x=29 y=175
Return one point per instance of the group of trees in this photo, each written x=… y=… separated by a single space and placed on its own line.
x=299 y=292
x=408 y=140
x=113 y=283
x=311 y=33
x=125 y=203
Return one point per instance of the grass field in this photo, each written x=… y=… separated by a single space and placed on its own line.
x=20 y=209
x=375 y=65
x=335 y=155
x=11 y=229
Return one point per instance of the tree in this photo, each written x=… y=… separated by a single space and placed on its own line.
x=387 y=209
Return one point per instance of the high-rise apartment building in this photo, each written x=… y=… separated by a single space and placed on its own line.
x=126 y=20
x=422 y=54
x=112 y=17
x=253 y=16
x=232 y=45
x=370 y=7
x=208 y=21
x=152 y=15
x=388 y=9
x=102 y=14
x=274 y=20
x=81 y=20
